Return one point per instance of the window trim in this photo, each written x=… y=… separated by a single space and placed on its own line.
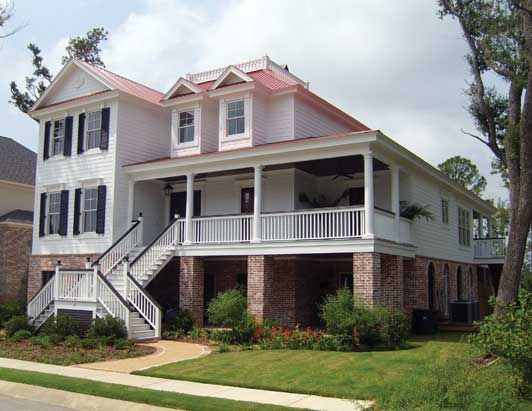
x=464 y=241
x=244 y=115
x=48 y=213
x=444 y=215
x=83 y=210
x=53 y=137
x=180 y=143
x=86 y=131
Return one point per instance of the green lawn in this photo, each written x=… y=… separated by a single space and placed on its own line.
x=126 y=393
x=382 y=376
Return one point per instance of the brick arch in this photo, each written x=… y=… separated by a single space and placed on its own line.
x=459 y=275
x=431 y=284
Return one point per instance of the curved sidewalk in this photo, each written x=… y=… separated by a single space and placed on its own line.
x=166 y=352
x=312 y=402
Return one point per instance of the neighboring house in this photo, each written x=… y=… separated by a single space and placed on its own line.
x=17 y=180
x=242 y=176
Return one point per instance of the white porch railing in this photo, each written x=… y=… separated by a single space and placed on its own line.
x=42 y=299
x=162 y=244
x=223 y=229
x=114 y=255
x=315 y=224
x=146 y=306
x=75 y=285
x=111 y=302
x=490 y=247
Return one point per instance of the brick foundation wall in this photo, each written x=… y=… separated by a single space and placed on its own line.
x=260 y=286
x=392 y=281
x=48 y=262
x=367 y=277
x=191 y=283
x=15 y=248
x=225 y=272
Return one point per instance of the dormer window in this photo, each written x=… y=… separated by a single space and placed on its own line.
x=58 y=137
x=94 y=129
x=186 y=127
x=235 y=117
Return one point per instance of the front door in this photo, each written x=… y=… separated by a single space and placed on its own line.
x=246 y=200
x=178 y=204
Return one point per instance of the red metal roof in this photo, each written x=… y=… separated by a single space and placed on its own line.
x=125 y=85
x=266 y=78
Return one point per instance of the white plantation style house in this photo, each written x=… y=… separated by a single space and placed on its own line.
x=238 y=176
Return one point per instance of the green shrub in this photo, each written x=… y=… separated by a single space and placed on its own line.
x=42 y=341
x=62 y=325
x=197 y=332
x=507 y=334
x=182 y=321
x=55 y=338
x=11 y=309
x=21 y=335
x=228 y=308
x=337 y=310
x=221 y=336
x=16 y=323
x=394 y=327
x=110 y=327
x=72 y=341
x=124 y=344
x=223 y=348
x=91 y=343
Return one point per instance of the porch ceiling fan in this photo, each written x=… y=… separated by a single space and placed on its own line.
x=342 y=173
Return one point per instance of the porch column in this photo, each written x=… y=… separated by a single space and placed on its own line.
x=395 y=200
x=369 y=204
x=130 y=199
x=189 y=210
x=257 y=206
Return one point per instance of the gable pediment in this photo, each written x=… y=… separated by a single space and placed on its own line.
x=71 y=82
x=182 y=87
x=231 y=75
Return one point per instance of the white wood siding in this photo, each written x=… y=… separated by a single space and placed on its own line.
x=69 y=173
x=280 y=116
x=150 y=201
x=259 y=122
x=311 y=122
x=143 y=135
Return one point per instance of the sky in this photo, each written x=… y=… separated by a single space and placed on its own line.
x=393 y=65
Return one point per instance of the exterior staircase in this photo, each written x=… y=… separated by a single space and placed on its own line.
x=115 y=285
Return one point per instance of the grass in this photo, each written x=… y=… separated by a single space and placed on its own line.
x=388 y=377
x=126 y=393
x=61 y=354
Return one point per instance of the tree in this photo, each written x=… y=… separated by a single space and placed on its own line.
x=465 y=173
x=499 y=38
x=500 y=220
x=86 y=49
x=6 y=12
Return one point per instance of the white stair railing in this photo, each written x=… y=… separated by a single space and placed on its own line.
x=111 y=301
x=222 y=229
x=162 y=244
x=42 y=299
x=316 y=224
x=77 y=285
x=144 y=304
x=113 y=255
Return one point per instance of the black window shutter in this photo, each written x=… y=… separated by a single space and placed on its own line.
x=77 y=210
x=100 y=209
x=81 y=132
x=63 y=216
x=67 y=149
x=42 y=216
x=46 y=148
x=104 y=140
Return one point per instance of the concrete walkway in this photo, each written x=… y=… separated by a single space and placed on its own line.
x=34 y=398
x=166 y=352
x=312 y=402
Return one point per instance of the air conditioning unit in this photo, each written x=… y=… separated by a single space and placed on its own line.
x=465 y=311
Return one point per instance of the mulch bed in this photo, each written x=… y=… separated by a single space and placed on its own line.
x=60 y=354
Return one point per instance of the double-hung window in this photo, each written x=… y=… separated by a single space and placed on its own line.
x=186 y=127
x=235 y=118
x=464 y=227
x=90 y=206
x=444 y=211
x=94 y=129
x=54 y=212
x=58 y=137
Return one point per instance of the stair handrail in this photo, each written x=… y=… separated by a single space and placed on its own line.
x=167 y=238
x=144 y=303
x=120 y=248
x=40 y=301
x=111 y=300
